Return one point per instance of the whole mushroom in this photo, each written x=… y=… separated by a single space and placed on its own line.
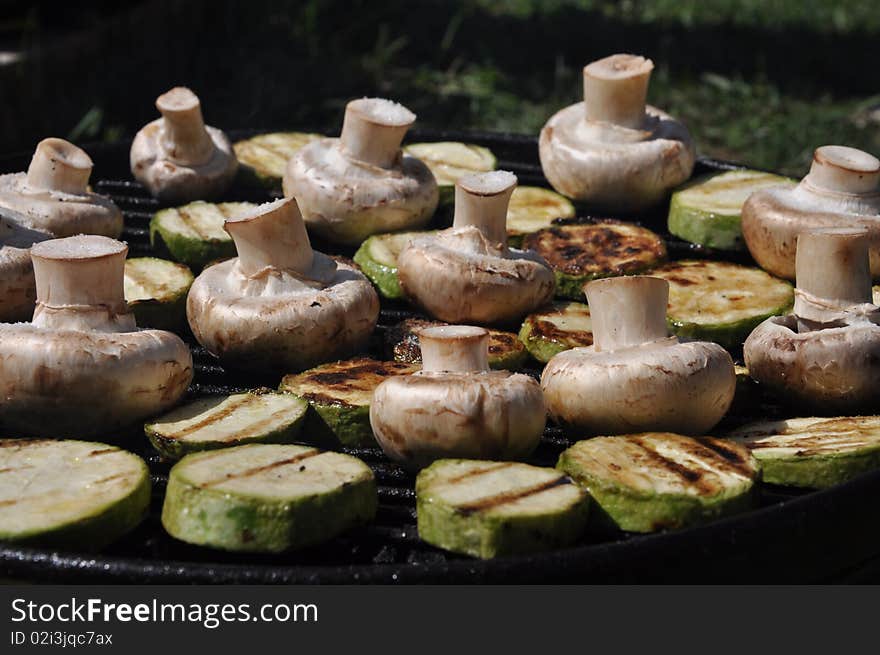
x=17 y=288
x=82 y=367
x=362 y=183
x=635 y=378
x=54 y=196
x=279 y=304
x=827 y=352
x=612 y=150
x=468 y=273
x=179 y=158
x=456 y=406
x=842 y=189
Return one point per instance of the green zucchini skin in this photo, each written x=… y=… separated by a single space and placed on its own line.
x=544 y=340
x=264 y=157
x=382 y=274
x=169 y=311
x=243 y=520
x=489 y=533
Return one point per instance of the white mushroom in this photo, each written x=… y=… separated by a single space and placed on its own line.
x=612 y=150
x=362 y=183
x=54 y=194
x=634 y=378
x=279 y=304
x=455 y=406
x=468 y=273
x=827 y=352
x=82 y=367
x=17 y=289
x=179 y=158
x=842 y=189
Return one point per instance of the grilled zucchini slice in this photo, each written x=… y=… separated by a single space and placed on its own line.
x=813 y=452
x=562 y=326
x=340 y=395
x=156 y=292
x=267 y=497
x=533 y=208
x=487 y=509
x=584 y=252
x=224 y=421
x=402 y=345
x=707 y=210
x=720 y=301
x=264 y=157
x=449 y=160
x=70 y=494
x=658 y=480
x=377 y=258
x=194 y=234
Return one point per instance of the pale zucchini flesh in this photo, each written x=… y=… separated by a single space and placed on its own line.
x=225 y=421
x=562 y=326
x=488 y=509
x=70 y=494
x=450 y=160
x=155 y=290
x=267 y=497
x=656 y=481
x=377 y=258
x=265 y=156
x=533 y=208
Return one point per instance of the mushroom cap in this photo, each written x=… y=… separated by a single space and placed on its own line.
x=458 y=276
x=835 y=368
x=613 y=167
x=278 y=320
x=17 y=287
x=659 y=386
x=482 y=415
x=346 y=200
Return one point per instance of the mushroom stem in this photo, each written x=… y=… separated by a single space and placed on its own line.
x=454 y=348
x=627 y=311
x=271 y=236
x=58 y=165
x=481 y=201
x=615 y=89
x=373 y=129
x=184 y=136
x=844 y=170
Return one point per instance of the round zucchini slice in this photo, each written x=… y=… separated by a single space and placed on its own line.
x=402 y=344
x=156 y=292
x=534 y=208
x=264 y=157
x=449 y=160
x=70 y=494
x=377 y=257
x=583 y=252
x=707 y=210
x=340 y=394
x=225 y=421
x=658 y=480
x=562 y=326
x=720 y=301
x=267 y=497
x=194 y=234
x=488 y=509
x=813 y=452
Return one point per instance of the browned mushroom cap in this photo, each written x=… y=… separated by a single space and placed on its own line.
x=467 y=273
x=842 y=189
x=455 y=406
x=279 y=304
x=179 y=158
x=612 y=150
x=634 y=378
x=53 y=196
x=17 y=290
x=362 y=183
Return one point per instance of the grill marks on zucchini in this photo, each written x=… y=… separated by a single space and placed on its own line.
x=266 y=155
x=450 y=160
x=259 y=470
x=156 y=291
x=534 y=208
x=553 y=329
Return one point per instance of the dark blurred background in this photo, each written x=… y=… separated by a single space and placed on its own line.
x=759 y=81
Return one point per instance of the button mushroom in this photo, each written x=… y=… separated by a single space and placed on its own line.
x=279 y=304
x=612 y=150
x=634 y=378
x=468 y=273
x=17 y=290
x=827 y=352
x=54 y=194
x=82 y=367
x=362 y=183
x=179 y=158
x=455 y=406
x=842 y=189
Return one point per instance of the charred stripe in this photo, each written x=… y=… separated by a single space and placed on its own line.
x=261 y=469
x=510 y=496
